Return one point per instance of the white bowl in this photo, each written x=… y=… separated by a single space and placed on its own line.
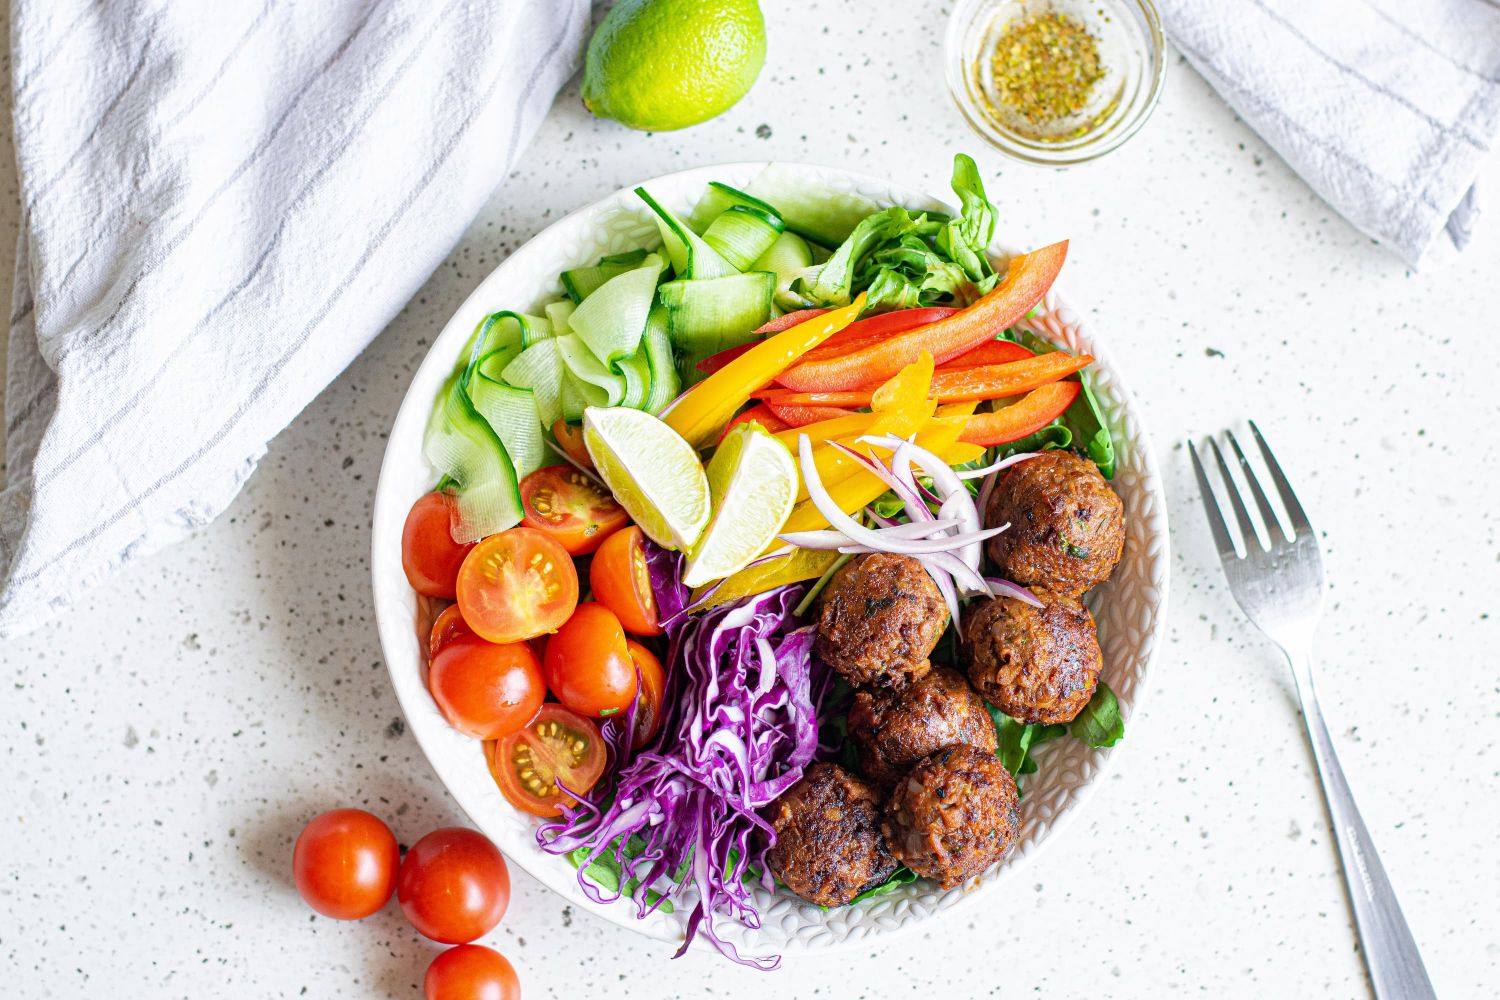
x=1130 y=609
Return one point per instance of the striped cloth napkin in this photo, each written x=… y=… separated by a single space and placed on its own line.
x=222 y=204
x=1386 y=108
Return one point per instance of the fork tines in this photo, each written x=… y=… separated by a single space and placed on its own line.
x=1248 y=532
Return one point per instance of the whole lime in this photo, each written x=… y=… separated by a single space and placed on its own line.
x=659 y=65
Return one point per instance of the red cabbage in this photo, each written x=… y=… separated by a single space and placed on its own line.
x=739 y=725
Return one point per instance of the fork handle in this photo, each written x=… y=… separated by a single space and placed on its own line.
x=1391 y=954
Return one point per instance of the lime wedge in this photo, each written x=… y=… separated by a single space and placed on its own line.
x=652 y=471
x=752 y=482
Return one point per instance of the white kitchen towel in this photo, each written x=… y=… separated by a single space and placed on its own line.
x=222 y=204
x=1386 y=108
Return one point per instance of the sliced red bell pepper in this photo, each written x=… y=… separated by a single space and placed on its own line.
x=788 y=321
x=714 y=362
x=761 y=414
x=1026 y=280
x=956 y=385
x=876 y=330
x=991 y=352
x=1027 y=415
x=801 y=416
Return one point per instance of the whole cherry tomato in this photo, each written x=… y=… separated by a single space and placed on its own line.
x=486 y=690
x=429 y=554
x=344 y=864
x=471 y=972
x=588 y=665
x=453 y=886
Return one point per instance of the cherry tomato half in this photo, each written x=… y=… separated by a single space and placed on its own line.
x=516 y=585
x=448 y=626
x=453 y=885
x=429 y=554
x=653 y=689
x=344 y=863
x=486 y=690
x=588 y=665
x=621 y=582
x=471 y=972
x=558 y=745
x=570 y=440
x=566 y=505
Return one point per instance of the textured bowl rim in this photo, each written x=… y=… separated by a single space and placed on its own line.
x=398 y=633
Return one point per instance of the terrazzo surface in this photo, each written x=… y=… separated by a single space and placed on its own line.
x=163 y=742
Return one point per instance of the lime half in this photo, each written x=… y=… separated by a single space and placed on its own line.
x=652 y=471
x=752 y=482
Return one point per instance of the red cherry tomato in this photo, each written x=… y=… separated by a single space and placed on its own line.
x=570 y=440
x=558 y=745
x=471 y=972
x=344 y=864
x=448 y=626
x=429 y=554
x=486 y=690
x=453 y=886
x=588 y=665
x=517 y=585
x=621 y=582
x=566 y=505
x=653 y=689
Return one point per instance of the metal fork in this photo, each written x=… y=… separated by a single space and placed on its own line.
x=1280 y=589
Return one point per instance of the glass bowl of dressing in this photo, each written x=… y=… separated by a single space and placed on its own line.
x=1055 y=82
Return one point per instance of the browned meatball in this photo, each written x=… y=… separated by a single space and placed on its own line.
x=893 y=731
x=881 y=617
x=953 y=815
x=1067 y=527
x=1036 y=665
x=828 y=845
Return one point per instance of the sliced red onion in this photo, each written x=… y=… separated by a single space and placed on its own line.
x=589 y=473
x=1004 y=588
x=916 y=510
x=967 y=579
x=945 y=587
x=828 y=538
x=947 y=482
x=999 y=466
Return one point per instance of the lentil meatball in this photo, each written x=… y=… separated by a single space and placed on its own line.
x=893 y=730
x=828 y=844
x=881 y=617
x=1067 y=527
x=1033 y=664
x=953 y=815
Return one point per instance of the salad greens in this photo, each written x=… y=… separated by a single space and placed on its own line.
x=1081 y=426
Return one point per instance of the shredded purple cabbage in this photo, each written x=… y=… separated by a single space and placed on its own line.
x=739 y=725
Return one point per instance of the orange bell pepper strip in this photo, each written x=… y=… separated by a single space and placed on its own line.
x=762 y=415
x=801 y=416
x=1027 y=415
x=991 y=352
x=952 y=385
x=704 y=410
x=1026 y=280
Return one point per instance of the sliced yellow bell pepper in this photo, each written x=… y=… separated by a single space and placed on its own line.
x=708 y=406
x=801 y=564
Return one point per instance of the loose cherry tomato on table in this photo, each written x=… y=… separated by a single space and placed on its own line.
x=486 y=690
x=556 y=746
x=471 y=972
x=571 y=508
x=454 y=885
x=653 y=689
x=588 y=666
x=448 y=626
x=344 y=864
x=517 y=585
x=429 y=554
x=622 y=583
x=570 y=440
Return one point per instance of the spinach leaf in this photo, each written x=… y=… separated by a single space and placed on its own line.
x=1054 y=435
x=901 y=876
x=1016 y=740
x=1083 y=420
x=1099 y=724
x=605 y=870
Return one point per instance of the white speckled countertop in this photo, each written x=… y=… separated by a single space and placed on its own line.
x=164 y=741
